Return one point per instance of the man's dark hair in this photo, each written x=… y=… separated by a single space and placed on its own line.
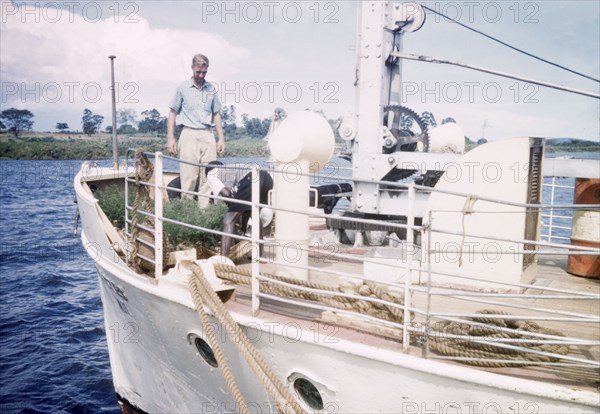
x=208 y=168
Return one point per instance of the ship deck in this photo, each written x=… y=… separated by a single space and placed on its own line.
x=551 y=297
x=551 y=273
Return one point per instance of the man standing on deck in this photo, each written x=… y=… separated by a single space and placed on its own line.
x=198 y=106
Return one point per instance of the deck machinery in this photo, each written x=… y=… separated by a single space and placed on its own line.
x=388 y=142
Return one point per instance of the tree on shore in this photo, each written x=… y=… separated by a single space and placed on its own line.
x=126 y=117
x=126 y=129
x=91 y=122
x=153 y=122
x=126 y=121
x=16 y=120
x=62 y=127
x=255 y=127
x=429 y=119
x=228 y=117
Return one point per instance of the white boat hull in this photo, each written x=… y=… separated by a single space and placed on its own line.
x=157 y=369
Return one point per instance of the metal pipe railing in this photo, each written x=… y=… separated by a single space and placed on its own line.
x=414 y=266
x=410 y=243
x=551 y=227
x=256 y=224
x=158 y=211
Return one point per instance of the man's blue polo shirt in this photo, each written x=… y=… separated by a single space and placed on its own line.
x=195 y=106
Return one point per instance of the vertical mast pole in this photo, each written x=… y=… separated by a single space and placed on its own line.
x=114 y=113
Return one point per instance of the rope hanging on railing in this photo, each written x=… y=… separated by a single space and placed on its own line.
x=454 y=347
x=143 y=173
x=392 y=313
x=472 y=348
x=214 y=344
x=203 y=293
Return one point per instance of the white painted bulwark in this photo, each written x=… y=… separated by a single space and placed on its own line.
x=151 y=325
x=497 y=170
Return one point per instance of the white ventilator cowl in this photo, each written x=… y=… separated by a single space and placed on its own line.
x=303 y=135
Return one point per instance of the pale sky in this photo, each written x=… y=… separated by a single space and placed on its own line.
x=297 y=55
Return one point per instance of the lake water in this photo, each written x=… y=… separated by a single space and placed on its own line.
x=53 y=354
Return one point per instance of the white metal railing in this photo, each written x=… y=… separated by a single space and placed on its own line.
x=158 y=211
x=256 y=239
x=557 y=223
x=426 y=317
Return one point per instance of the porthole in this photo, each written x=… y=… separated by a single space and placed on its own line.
x=308 y=393
x=206 y=352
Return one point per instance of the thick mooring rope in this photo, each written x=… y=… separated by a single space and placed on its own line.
x=454 y=347
x=392 y=313
x=203 y=293
x=457 y=347
x=218 y=352
x=143 y=173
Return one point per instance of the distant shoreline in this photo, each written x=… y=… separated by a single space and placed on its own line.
x=40 y=146
x=98 y=147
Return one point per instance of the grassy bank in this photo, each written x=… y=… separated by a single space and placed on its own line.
x=51 y=149
x=37 y=146
x=246 y=147
x=561 y=148
x=76 y=147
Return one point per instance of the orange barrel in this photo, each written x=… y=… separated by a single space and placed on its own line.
x=586 y=228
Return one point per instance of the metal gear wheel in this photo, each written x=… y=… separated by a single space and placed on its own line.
x=409 y=129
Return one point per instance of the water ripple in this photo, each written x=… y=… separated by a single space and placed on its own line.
x=53 y=352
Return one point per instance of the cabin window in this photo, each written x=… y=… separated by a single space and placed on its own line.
x=206 y=352
x=309 y=393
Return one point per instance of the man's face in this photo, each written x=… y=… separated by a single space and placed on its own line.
x=199 y=73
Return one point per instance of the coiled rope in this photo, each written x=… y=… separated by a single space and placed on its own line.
x=473 y=348
x=369 y=290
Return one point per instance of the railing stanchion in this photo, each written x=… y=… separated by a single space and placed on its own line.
x=427 y=328
x=410 y=251
x=255 y=238
x=158 y=211
x=127 y=236
x=551 y=210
